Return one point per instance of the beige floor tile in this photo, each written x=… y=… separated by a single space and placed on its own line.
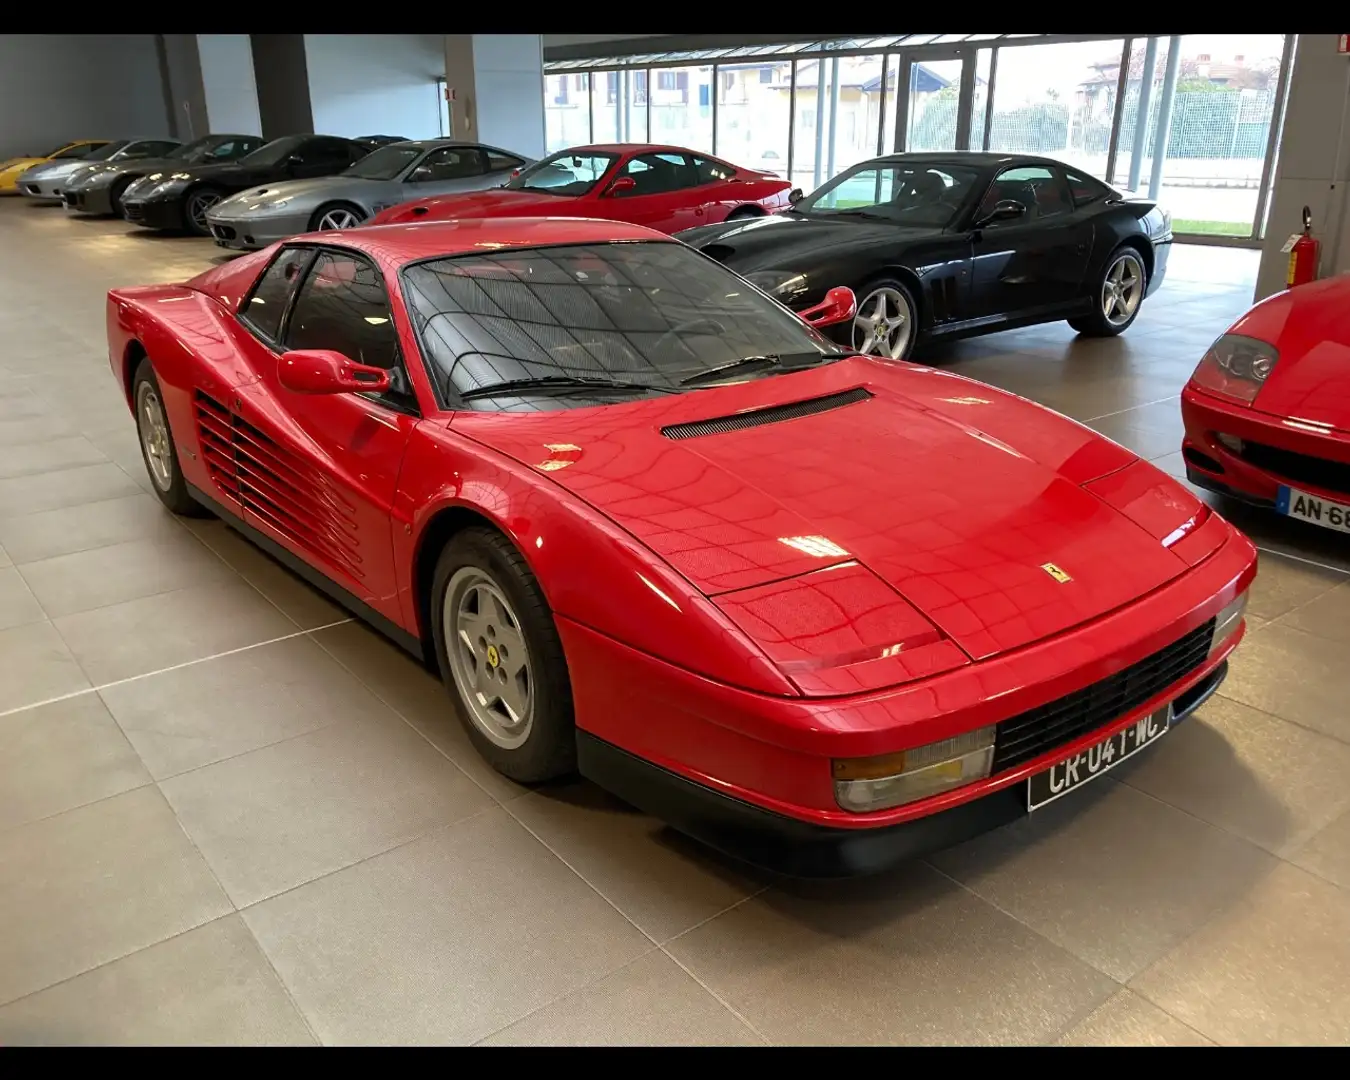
x=1126 y=1019
x=1328 y=853
x=1112 y=875
x=101 y=577
x=203 y=713
x=5 y=560
x=1248 y=772
x=912 y=958
x=94 y=884
x=1172 y=464
x=18 y=605
x=157 y=632
x=664 y=882
x=53 y=455
x=443 y=941
x=233 y=998
x=69 y=487
x=651 y=1002
x=63 y=755
x=1272 y=970
x=1147 y=444
x=1283 y=585
x=1295 y=675
x=1328 y=616
x=81 y=528
x=36 y=665
x=275 y=818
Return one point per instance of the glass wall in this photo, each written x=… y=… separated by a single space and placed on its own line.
x=810 y=111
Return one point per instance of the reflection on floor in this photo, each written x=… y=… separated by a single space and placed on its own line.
x=228 y=814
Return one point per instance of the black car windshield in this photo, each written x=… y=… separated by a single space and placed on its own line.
x=908 y=193
x=653 y=315
x=275 y=152
x=386 y=162
x=567 y=173
x=83 y=150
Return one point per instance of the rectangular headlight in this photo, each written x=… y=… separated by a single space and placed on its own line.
x=879 y=783
x=1227 y=623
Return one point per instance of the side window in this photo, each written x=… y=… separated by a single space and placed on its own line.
x=656 y=174
x=1042 y=191
x=151 y=148
x=710 y=172
x=1084 y=189
x=451 y=163
x=499 y=162
x=266 y=304
x=343 y=306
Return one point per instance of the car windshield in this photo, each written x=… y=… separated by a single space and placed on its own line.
x=193 y=151
x=908 y=193
x=386 y=162
x=68 y=153
x=275 y=152
x=643 y=317
x=107 y=150
x=564 y=174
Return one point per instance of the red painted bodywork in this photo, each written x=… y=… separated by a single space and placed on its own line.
x=1304 y=405
x=707 y=204
x=742 y=607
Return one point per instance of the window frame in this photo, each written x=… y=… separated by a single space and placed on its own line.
x=470 y=151
x=1056 y=174
x=1102 y=191
x=515 y=160
x=686 y=167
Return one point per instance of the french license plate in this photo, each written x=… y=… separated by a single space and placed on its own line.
x=1299 y=504
x=1072 y=773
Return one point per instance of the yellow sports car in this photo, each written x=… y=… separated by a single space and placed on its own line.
x=11 y=168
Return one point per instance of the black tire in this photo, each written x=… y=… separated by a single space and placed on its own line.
x=315 y=222
x=191 y=200
x=550 y=748
x=1096 y=323
x=118 y=190
x=174 y=493
x=844 y=334
x=743 y=212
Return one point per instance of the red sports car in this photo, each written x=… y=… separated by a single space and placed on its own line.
x=821 y=610
x=662 y=187
x=1267 y=412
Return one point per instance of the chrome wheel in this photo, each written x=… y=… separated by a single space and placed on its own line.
x=1123 y=289
x=339 y=218
x=197 y=207
x=883 y=324
x=155 y=441
x=489 y=659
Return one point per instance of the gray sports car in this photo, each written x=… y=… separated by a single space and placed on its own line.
x=387 y=176
x=44 y=183
x=98 y=188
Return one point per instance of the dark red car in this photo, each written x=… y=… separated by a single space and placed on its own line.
x=1267 y=411
x=662 y=187
x=821 y=610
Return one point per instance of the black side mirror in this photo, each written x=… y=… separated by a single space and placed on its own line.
x=420 y=174
x=1004 y=210
x=795 y=196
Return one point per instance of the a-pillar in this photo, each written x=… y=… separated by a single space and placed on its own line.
x=496 y=83
x=1313 y=167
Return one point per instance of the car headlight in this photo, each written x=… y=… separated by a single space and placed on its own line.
x=781 y=284
x=1227 y=623
x=1236 y=367
x=879 y=783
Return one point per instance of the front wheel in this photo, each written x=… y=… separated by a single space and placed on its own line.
x=195 y=208
x=501 y=658
x=336 y=216
x=886 y=322
x=1116 y=297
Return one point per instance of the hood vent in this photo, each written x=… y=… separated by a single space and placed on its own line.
x=759 y=417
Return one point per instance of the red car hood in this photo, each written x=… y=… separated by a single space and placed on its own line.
x=956 y=494
x=476 y=204
x=1309 y=327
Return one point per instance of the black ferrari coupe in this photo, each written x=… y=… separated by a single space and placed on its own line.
x=951 y=245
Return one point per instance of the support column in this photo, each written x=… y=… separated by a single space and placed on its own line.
x=1141 y=113
x=281 y=74
x=209 y=85
x=1169 y=93
x=1313 y=167
x=498 y=85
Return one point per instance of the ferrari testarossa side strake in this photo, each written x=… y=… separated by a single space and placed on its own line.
x=820 y=610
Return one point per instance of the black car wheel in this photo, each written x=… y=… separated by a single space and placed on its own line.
x=118 y=190
x=195 y=207
x=887 y=320
x=336 y=216
x=1117 y=295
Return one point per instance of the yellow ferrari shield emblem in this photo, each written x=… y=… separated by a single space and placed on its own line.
x=492 y=658
x=1055 y=572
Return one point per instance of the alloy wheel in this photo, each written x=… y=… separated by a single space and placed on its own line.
x=155 y=440
x=883 y=324
x=198 y=205
x=1123 y=289
x=339 y=218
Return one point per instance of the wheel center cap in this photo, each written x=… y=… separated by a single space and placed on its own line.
x=492 y=658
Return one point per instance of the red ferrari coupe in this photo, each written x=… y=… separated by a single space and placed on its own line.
x=824 y=611
x=662 y=187
x=1267 y=412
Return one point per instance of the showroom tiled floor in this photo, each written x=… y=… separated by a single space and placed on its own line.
x=230 y=815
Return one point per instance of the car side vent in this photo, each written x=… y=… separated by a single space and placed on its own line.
x=720 y=252
x=759 y=417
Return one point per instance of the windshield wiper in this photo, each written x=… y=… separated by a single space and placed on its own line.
x=715 y=373
x=560 y=382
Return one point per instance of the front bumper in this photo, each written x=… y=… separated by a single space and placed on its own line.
x=250 y=233
x=95 y=200
x=1276 y=452
x=41 y=190
x=1162 y=250
x=155 y=213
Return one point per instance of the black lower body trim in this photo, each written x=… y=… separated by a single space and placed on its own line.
x=1200 y=480
x=325 y=585
x=797 y=848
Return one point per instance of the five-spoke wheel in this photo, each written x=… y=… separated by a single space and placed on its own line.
x=884 y=324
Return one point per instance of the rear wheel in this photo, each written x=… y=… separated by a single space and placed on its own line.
x=1117 y=296
x=195 y=208
x=336 y=216
x=157 y=445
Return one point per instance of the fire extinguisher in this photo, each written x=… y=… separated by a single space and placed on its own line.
x=1304 y=255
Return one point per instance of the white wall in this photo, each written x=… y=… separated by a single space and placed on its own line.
x=375 y=84
x=55 y=88
x=508 y=74
x=227 y=80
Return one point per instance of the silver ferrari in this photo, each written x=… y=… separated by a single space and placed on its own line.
x=44 y=183
x=385 y=177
